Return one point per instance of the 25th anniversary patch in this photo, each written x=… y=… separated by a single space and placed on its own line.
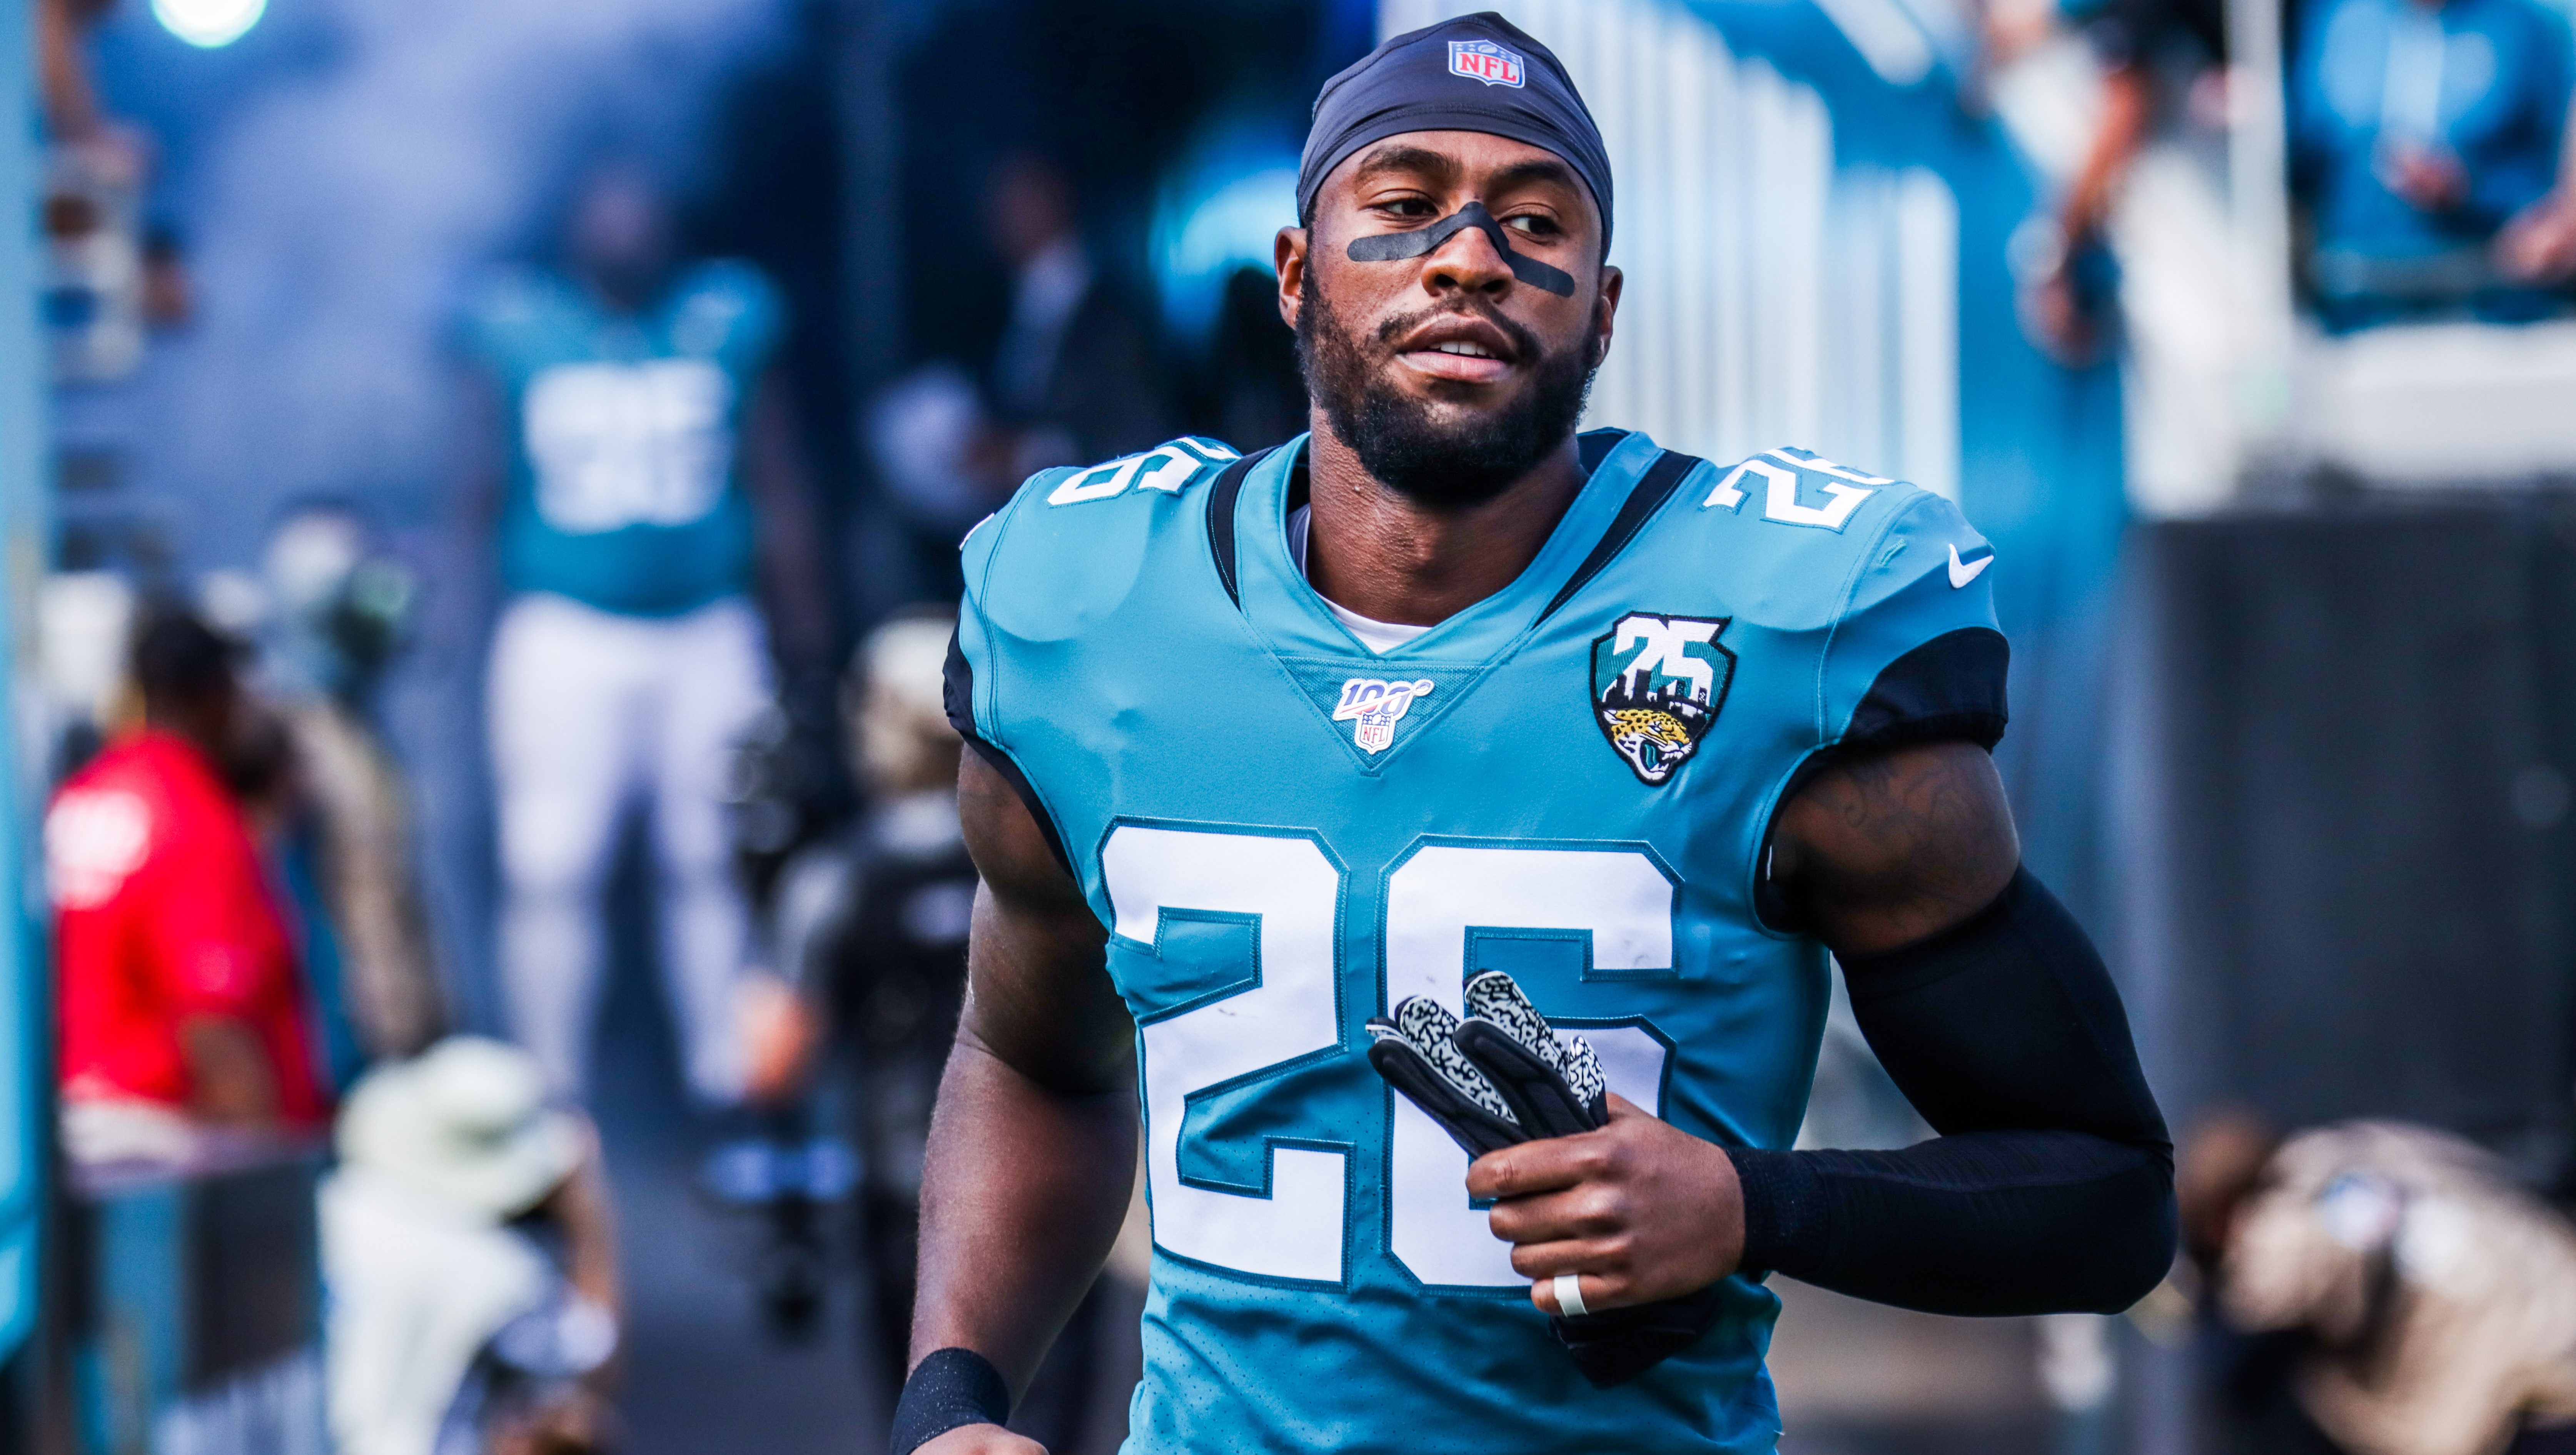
x=1657 y=685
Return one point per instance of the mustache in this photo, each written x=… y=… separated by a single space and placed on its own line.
x=1525 y=345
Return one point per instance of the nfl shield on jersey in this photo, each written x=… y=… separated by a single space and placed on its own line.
x=1570 y=781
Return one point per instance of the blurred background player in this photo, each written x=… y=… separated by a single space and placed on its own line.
x=181 y=1002
x=652 y=484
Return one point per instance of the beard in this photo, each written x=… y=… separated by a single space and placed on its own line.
x=1402 y=441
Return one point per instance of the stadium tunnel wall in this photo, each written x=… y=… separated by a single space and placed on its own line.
x=2345 y=737
x=24 y=1062
x=2342 y=738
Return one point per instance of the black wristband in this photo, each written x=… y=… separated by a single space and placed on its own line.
x=950 y=1388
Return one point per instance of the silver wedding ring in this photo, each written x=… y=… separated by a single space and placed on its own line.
x=1569 y=1294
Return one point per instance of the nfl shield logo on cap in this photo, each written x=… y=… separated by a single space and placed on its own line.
x=1482 y=60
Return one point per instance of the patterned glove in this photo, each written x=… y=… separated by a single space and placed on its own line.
x=1502 y=1077
x=1496 y=1079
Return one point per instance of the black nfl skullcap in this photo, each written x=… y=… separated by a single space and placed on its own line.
x=1476 y=73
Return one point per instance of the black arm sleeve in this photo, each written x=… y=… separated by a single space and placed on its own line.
x=2050 y=1188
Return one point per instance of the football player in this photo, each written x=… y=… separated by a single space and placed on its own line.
x=1282 y=762
x=652 y=494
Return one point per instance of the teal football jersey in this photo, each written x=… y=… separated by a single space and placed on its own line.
x=622 y=492
x=1571 y=780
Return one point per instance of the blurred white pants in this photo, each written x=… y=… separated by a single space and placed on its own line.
x=593 y=714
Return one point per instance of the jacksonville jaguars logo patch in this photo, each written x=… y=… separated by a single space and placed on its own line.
x=1657 y=685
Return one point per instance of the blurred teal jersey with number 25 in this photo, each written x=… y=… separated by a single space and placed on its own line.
x=622 y=490
x=1571 y=781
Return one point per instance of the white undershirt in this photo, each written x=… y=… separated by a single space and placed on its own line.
x=1380 y=637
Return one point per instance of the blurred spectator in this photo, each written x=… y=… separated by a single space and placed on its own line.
x=2540 y=242
x=652 y=482
x=180 y=1000
x=1074 y=379
x=63 y=28
x=340 y=609
x=2159 y=59
x=266 y=772
x=110 y=276
x=169 y=294
x=2391 y=1281
x=2421 y=131
x=890 y=955
x=892 y=961
x=471 y=1260
x=1259 y=397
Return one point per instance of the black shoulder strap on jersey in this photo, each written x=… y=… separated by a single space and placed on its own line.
x=1220 y=508
x=1594 y=445
x=1653 y=488
x=957 y=696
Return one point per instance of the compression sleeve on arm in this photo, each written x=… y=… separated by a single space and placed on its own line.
x=2050 y=1188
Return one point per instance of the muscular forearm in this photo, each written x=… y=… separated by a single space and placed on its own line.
x=1032 y=1149
x=1023 y=1190
x=2051 y=1187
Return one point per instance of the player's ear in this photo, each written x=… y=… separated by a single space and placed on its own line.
x=1606 y=311
x=1288 y=255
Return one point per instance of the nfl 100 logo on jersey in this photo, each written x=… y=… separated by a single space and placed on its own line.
x=1373 y=706
x=1657 y=684
x=1482 y=60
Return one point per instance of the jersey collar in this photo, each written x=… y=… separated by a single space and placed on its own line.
x=1285 y=608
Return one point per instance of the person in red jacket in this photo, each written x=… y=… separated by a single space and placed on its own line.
x=181 y=1003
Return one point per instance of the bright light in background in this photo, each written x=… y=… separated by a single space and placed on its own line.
x=208 y=23
x=1221 y=216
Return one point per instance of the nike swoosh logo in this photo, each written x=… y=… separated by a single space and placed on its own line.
x=1963 y=572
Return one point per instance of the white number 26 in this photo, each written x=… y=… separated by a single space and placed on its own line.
x=1291 y=892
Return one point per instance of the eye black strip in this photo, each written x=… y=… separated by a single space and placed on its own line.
x=1652 y=490
x=1389 y=247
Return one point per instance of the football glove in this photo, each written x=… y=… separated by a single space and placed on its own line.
x=1501 y=1077
x=1496 y=1079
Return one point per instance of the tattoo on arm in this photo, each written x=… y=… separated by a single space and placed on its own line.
x=1887 y=848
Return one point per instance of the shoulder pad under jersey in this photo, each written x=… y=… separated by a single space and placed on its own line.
x=1066 y=549
x=726 y=309
x=1890 y=579
x=1796 y=532
x=510 y=311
